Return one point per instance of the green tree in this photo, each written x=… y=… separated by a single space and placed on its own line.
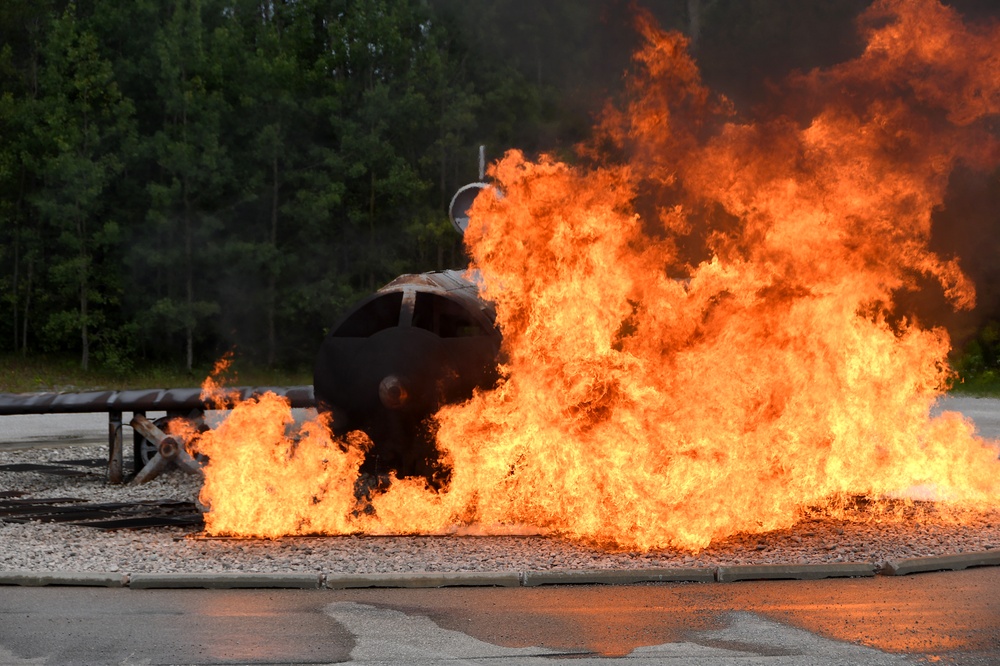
x=84 y=124
x=193 y=172
x=23 y=25
x=270 y=135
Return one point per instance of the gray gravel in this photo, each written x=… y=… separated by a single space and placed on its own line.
x=59 y=547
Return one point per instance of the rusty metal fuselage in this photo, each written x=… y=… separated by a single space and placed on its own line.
x=420 y=342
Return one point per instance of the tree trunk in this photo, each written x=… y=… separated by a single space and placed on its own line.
x=188 y=284
x=27 y=306
x=443 y=186
x=16 y=284
x=272 y=281
x=81 y=230
x=18 y=207
x=371 y=235
x=189 y=295
x=84 y=333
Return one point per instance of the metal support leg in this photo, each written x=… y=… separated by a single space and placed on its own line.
x=137 y=440
x=115 y=462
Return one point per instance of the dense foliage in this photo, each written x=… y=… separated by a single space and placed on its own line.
x=179 y=177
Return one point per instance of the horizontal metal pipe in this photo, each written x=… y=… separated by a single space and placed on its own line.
x=138 y=400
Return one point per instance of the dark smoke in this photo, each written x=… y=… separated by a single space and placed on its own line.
x=967 y=226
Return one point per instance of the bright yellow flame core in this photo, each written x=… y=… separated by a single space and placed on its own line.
x=642 y=411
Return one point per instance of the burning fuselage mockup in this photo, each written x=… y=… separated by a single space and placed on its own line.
x=420 y=342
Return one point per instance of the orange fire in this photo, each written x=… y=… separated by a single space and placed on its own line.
x=700 y=333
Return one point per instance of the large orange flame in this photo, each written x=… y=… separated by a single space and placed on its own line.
x=698 y=321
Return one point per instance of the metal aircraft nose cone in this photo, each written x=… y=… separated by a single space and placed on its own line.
x=392 y=393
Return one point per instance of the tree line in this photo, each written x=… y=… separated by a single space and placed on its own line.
x=179 y=177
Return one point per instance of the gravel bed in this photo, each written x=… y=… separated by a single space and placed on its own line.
x=45 y=547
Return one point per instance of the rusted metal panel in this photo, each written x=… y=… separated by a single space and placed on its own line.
x=44 y=468
x=103 y=515
x=459 y=286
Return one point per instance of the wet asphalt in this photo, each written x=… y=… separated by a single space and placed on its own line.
x=947 y=617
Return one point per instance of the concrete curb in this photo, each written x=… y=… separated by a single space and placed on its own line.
x=429 y=579
x=224 y=581
x=794 y=571
x=615 y=576
x=424 y=579
x=941 y=563
x=72 y=578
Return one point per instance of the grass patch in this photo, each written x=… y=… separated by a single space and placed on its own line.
x=977 y=365
x=984 y=385
x=44 y=373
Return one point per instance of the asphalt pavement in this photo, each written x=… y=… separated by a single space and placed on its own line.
x=951 y=618
x=49 y=430
x=947 y=617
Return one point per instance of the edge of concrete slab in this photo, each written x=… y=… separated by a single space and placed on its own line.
x=226 y=580
x=615 y=576
x=733 y=573
x=429 y=579
x=70 y=578
x=955 y=562
x=336 y=581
